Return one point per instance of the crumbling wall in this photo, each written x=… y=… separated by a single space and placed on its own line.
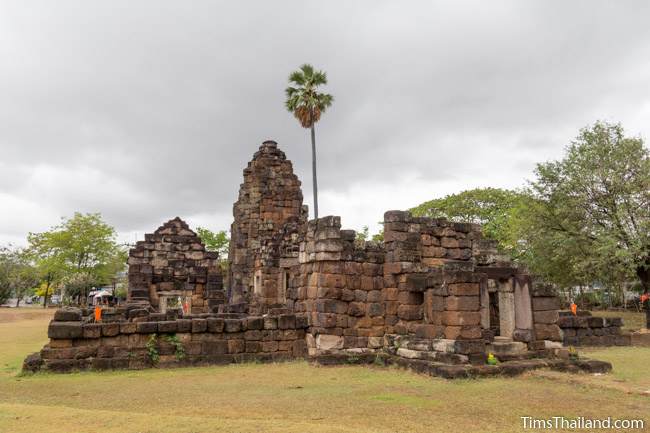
x=340 y=288
x=76 y=343
x=432 y=289
x=268 y=216
x=545 y=312
x=173 y=262
x=587 y=330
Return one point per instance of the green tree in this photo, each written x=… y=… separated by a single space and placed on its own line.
x=214 y=241
x=78 y=284
x=307 y=105
x=493 y=208
x=18 y=276
x=24 y=276
x=5 y=273
x=81 y=244
x=363 y=234
x=596 y=200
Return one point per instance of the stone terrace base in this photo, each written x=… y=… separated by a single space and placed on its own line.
x=587 y=330
x=209 y=339
x=447 y=371
x=641 y=338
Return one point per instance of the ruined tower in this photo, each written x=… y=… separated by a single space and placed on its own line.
x=170 y=264
x=268 y=219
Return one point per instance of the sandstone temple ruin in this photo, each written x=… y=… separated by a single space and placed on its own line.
x=434 y=295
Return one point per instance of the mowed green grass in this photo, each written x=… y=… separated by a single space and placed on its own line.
x=290 y=397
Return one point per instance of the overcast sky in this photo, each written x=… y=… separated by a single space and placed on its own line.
x=147 y=110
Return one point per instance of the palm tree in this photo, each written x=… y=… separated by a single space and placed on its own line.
x=307 y=105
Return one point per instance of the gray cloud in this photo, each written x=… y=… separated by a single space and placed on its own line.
x=148 y=110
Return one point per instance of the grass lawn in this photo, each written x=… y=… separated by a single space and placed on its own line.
x=297 y=397
x=632 y=320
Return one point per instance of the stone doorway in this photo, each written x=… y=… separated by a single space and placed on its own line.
x=498 y=308
x=493 y=308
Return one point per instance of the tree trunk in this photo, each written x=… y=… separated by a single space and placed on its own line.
x=47 y=289
x=644 y=276
x=313 y=170
x=582 y=297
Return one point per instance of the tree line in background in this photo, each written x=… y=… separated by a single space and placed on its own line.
x=583 y=221
x=72 y=258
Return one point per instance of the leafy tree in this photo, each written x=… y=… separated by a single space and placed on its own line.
x=18 y=276
x=583 y=219
x=363 y=234
x=5 y=272
x=596 y=201
x=307 y=105
x=81 y=244
x=378 y=237
x=78 y=284
x=24 y=277
x=214 y=241
x=491 y=207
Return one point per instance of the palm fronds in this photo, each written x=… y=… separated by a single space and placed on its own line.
x=303 y=99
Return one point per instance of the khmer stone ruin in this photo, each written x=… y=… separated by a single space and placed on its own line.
x=434 y=296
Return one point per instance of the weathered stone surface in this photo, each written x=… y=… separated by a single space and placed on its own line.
x=168 y=327
x=67 y=314
x=199 y=325
x=547 y=317
x=184 y=325
x=33 y=362
x=459 y=318
x=546 y=303
x=462 y=303
x=548 y=332
x=147 y=327
x=270 y=203
x=128 y=327
x=255 y=323
x=215 y=325
x=92 y=330
x=463 y=289
x=329 y=342
x=232 y=325
x=65 y=330
x=287 y=321
x=110 y=329
x=173 y=262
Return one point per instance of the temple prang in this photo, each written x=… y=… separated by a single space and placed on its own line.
x=434 y=295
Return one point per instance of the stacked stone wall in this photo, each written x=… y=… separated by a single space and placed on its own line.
x=173 y=260
x=432 y=287
x=545 y=313
x=587 y=330
x=340 y=288
x=268 y=218
x=78 y=344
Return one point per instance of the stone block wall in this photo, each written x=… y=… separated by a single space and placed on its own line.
x=268 y=217
x=339 y=288
x=432 y=286
x=587 y=330
x=545 y=312
x=78 y=344
x=173 y=261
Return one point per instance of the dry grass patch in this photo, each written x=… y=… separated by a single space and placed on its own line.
x=287 y=397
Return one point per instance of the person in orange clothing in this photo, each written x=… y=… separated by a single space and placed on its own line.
x=98 y=313
x=574 y=308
